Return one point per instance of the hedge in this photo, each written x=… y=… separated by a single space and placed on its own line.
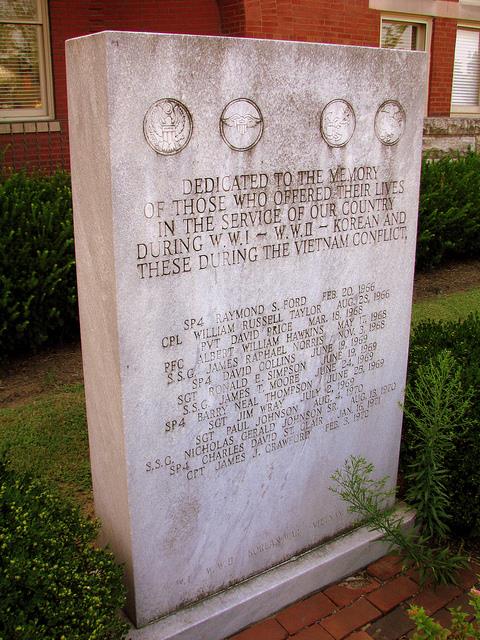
x=38 y=298
x=449 y=210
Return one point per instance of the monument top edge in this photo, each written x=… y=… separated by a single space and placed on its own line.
x=239 y=40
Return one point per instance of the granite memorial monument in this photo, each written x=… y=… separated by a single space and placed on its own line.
x=245 y=221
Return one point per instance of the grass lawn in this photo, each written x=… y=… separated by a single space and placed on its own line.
x=48 y=436
x=452 y=307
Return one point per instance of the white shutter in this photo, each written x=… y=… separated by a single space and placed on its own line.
x=466 y=72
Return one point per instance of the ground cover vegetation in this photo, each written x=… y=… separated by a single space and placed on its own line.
x=38 y=303
x=447 y=308
x=48 y=436
x=462 y=626
x=55 y=583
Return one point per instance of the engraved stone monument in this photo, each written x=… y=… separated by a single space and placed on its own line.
x=245 y=219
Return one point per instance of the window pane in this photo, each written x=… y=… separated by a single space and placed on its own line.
x=18 y=9
x=19 y=67
x=403 y=35
x=466 y=72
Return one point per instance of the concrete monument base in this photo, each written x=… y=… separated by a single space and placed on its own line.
x=229 y=611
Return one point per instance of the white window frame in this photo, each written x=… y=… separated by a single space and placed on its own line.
x=413 y=19
x=456 y=110
x=45 y=71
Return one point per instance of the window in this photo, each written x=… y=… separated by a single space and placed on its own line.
x=466 y=72
x=25 y=72
x=407 y=32
x=398 y=34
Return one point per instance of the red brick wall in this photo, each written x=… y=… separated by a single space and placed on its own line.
x=441 y=67
x=341 y=22
x=49 y=150
x=168 y=16
x=232 y=15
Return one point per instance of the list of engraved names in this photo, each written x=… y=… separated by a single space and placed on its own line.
x=268 y=375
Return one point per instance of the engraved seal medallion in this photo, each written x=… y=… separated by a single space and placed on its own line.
x=167 y=126
x=390 y=122
x=241 y=124
x=337 y=123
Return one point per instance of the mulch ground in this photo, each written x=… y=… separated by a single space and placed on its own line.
x=458 y=276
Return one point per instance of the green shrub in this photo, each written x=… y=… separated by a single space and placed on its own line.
x=449 y=210
x=436 y=406
x=54 y=583
x=462 y=478
x=38 y=300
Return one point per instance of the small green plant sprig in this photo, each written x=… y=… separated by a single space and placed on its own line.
x=461 y=628
x=425 y=627
x=369 y=499
x=55 y=584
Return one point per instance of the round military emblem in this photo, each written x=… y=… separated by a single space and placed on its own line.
x=241 y=124
x=167 y=126
x=390 y=122
x=337 y=123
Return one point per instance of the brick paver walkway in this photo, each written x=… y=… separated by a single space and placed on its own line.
x=371 y=605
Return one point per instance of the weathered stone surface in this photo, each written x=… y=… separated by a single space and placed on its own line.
x=441 y=145
x=450 y=135
x=219 y=616
x=245 y=217
x=451 y=126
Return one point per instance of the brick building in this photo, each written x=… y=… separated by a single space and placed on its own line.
x=33 y=104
